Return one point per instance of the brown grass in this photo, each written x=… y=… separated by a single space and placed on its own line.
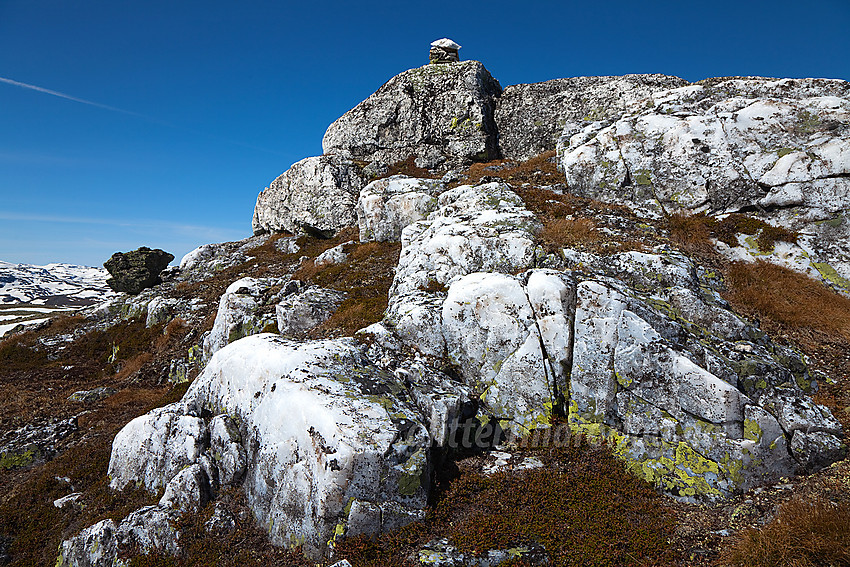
x=562 y=233
x=366 y=276
x=408 y=167
x=787 y=298
x=539 y=170
x=27 y=514
x=583 y=507
x=693 y=233
x=806 y=533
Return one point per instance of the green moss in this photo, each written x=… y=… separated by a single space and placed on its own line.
x=807 y=121
x=413 y=470
x=782 y=152
x=270 y=328
x=834 y=223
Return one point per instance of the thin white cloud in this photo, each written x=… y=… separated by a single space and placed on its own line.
x=136 y=223
x=131 y=113
x=67 y=96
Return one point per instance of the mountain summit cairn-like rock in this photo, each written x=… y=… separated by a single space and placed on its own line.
x=444 y=51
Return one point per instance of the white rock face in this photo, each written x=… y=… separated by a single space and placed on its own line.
x=493 y=336
x=300 y=312
x=239 y=313
x=481 y=228
x=315 y=196
x=779 y=146
x=386 y=206
x=320 y=429
x=721 y=147
x=153 y=448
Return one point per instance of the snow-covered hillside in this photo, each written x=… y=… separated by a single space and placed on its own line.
x=30 y=294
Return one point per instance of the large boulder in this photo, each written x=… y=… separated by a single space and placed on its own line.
x=137 y=270
x=325 y=443
x=315 y=196
x=441 y=114
x=532 y=117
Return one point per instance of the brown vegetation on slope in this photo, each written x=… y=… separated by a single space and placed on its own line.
x=582 y=506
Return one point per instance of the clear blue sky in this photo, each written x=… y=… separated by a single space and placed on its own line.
x=203 y=103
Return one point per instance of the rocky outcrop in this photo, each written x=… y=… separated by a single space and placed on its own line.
x=101 y=545
x=777 y=146
x=441 y=114
x=315 y=196
x=134 y=271
x=324 y=443
x=208 y=259
x=637 y=348
x=386 y=206
x=246 y=308
x=532 y=117
x=487 y=330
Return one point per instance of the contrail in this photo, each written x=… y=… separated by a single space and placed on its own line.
x=68 y=97
x=131 y=113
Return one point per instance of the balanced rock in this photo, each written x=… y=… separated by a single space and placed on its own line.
x=444 y=51
x=137 y=270
x=441 y=114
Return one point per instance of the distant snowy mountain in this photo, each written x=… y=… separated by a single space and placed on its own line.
x=29 y=294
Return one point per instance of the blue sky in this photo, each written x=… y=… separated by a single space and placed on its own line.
x=200 y=104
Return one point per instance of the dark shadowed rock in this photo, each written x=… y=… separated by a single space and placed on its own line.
x=531 y=117
x=134 y=271
x=438 y=113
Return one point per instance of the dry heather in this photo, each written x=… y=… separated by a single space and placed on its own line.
x=582 y=507
x=806 y=533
